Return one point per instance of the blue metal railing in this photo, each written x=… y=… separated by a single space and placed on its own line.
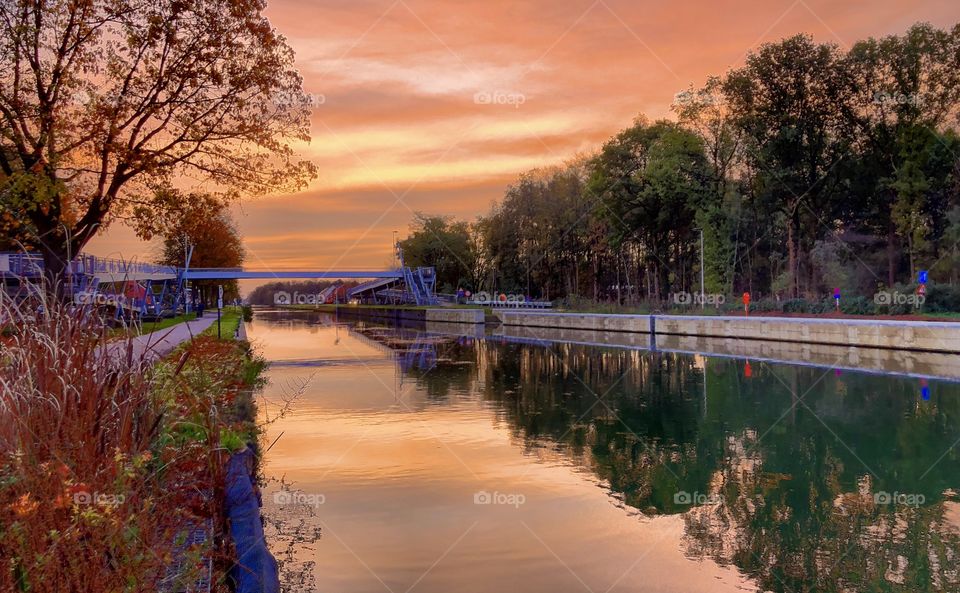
x=30 y=265
x=87 y=275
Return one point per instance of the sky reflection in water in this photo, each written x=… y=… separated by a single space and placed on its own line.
x=442 y=464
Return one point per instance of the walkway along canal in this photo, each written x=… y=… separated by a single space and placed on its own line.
x=476 y=462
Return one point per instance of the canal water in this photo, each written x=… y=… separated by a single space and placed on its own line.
x=403 y=461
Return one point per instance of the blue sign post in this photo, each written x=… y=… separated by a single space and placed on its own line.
x=836 y=297
x=922 y=288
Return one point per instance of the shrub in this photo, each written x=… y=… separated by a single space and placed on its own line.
x=857 y=306
x=942 y=298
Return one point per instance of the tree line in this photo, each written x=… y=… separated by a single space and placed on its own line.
x=808 y=169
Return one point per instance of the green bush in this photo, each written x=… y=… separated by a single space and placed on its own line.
x=942 y=298
x=858 y=306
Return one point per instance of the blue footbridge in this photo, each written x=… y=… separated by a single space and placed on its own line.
x=146 y=289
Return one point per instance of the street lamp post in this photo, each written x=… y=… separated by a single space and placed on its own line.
x=396 y=247
x=703 y=295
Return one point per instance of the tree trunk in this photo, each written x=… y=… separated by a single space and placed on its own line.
x=619 y=284
x=55 y=264
x=596 y=273
x=913 y=270
x=792 y=257
x=891 y=254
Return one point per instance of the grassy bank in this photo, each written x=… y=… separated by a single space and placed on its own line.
x=146 y=327
x=229 y=322
x=107 y=463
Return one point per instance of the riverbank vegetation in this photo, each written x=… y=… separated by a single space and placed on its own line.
x=112 y=468
x=230 y=318
x=808 y=169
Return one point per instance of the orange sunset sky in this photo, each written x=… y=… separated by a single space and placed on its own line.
x=397 y=127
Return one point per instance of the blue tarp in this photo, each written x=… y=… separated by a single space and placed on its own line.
x=256 y=568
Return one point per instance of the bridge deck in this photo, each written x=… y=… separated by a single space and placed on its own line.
x=240 y=274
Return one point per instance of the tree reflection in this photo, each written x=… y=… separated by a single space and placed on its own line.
x=803 y=478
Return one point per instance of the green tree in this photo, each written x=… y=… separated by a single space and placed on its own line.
x=789 y=100
x=706 y=112
x=907 y=90
x=450 y=246
x=653 y=179
x=538 y=237
x=948 y=265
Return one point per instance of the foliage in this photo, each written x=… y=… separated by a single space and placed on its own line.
x=264 y=294
x=105 y=460
x=653 y=180
x=102 y=102
x=538 y=234
x=809 y=168
x=451 y=247
x=203 y=221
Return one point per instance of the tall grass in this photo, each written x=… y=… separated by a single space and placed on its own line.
x=104 y=458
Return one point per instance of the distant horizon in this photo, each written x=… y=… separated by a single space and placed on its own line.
x=435 y=108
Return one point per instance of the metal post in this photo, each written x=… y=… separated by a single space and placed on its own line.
x=703 y=299
x=396 y=247
x=183 y=284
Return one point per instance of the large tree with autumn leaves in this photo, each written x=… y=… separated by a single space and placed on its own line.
x=105 y=102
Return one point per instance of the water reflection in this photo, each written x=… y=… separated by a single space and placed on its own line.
x=802 y=478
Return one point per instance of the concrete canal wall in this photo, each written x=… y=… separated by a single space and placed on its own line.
x=932 y=365
x=439 y=315
x=455 y=316
x=898 y=335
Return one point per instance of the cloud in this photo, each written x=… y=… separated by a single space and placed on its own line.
x=399 y=115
